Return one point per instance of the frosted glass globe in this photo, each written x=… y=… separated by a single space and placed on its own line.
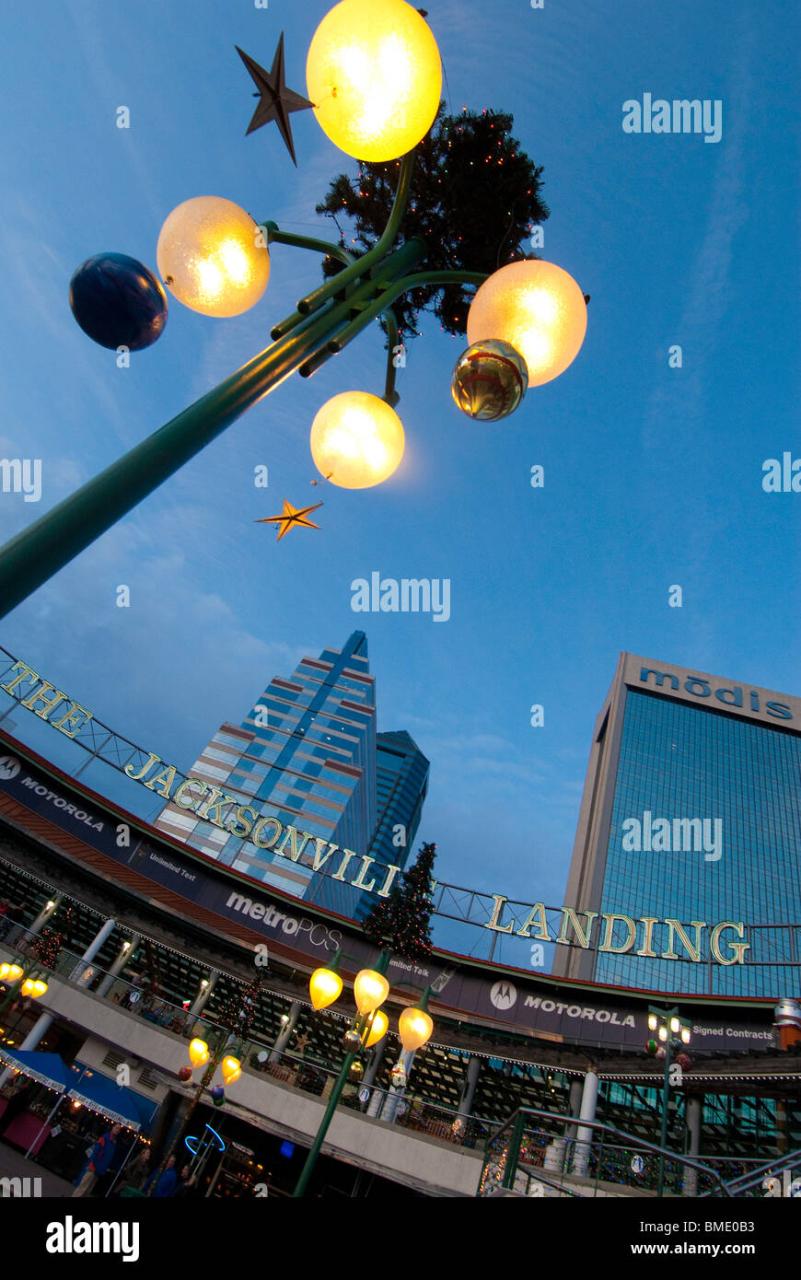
x=357 y=440
x=213 y=256
x=539 y=309
x=374 y=75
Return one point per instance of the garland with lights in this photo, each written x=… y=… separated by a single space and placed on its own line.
x=402 y=922
x=475 y=196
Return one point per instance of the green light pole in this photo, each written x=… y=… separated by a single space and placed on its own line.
x=673 y=1032
x=381 y=966
x=325 y=322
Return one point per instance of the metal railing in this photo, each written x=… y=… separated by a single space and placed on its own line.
x=525 y=1158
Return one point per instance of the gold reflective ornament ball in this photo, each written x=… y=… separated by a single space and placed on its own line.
x=352 y=1040
x=375 y=77
x=489 y=381
x=356 y=1070
x=213 y=257
x=357 y=440
x=536 y=307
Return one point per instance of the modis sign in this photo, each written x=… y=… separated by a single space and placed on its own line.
x=735 y=697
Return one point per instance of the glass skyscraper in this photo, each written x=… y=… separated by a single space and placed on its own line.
x=691 y=813
x=308 y=754
x=401 y=786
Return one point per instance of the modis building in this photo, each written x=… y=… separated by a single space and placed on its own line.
x=691 y=813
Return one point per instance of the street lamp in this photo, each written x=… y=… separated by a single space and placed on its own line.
x=370 y=990
x=673 y=1034
x=374 y=78
x=213 y=257
x=357 y=440
x=31 y=987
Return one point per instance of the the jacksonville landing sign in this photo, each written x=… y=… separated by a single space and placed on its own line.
x=222 y=810
x=553 y=1014
x=212 y=804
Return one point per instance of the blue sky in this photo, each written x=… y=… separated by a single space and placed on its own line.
x=652 y=475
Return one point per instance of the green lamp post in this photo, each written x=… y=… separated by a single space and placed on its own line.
x=526 y=323
x=670 y=1033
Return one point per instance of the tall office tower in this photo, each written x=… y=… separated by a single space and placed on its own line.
x=305 y=754
x=691 y=813
x=401 y=785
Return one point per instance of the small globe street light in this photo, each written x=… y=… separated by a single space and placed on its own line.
x=374 y=80
x=30 y=987
x=367 y=1028
x=670 y=1034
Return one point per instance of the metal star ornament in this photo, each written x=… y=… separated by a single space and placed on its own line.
x=292 y=518
x=276 y=102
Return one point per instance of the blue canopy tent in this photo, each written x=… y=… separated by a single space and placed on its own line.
x=44 y=1068
x=118 y=1103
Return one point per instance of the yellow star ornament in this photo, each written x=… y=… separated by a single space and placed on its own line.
x=292 y=518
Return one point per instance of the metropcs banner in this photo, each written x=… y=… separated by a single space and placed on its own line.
x=615 y=933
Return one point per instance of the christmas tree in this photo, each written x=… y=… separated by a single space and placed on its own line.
x=47 y=947
x=238 y=1009
x=402 y=922
x=475 y=198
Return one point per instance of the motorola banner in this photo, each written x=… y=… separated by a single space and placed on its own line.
x=554 y=1013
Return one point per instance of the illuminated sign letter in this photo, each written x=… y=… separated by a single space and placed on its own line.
x=582 y=931
x=631 y=933
x=496 y=915
x=739 y=948
x=535 y=916
x=677 y=930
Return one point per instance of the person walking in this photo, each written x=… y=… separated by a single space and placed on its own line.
x=165 y=1184
x=136 y=1174
x=100 y=1159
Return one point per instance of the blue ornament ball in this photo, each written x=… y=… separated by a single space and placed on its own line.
x=218 y=1092
x=118 y=302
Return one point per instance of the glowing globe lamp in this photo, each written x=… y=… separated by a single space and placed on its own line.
x=370 y=990
x=325 y=986
x=414 y=1028
x=213 y=256
x=231 y=1069
x=198 y=1052
x=11 y=972
x=377 y=1029
x=33 y=988
x=357 y=440
x=536 y=307
x=375 y=77
x=118 y=302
